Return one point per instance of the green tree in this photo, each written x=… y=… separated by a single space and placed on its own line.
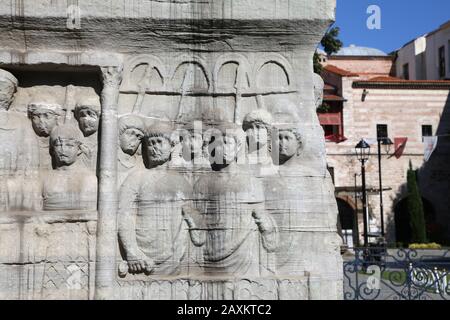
x=331 y=44
x=415 y=209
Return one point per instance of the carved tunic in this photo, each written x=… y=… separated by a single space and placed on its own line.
x=70 y=190
x=155 y=197
x=232 y=238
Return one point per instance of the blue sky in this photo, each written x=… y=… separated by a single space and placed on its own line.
x=401 y=21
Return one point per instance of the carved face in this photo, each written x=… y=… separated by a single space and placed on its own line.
x=43 y=122
x=288 y=144
x=65 y=151
x=88 y=121
x=158 y=149
x=257 y=136
x=130 y=140
x=225 y=150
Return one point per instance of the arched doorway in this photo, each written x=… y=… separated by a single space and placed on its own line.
x=347 y=221
x=402 y=225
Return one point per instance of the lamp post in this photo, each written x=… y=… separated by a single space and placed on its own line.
x=362 y=151
x=355 y=218
x=386 y=143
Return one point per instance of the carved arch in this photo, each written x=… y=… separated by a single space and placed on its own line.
x=197 y=62
x=277 y=61
x=243 y=71
x=144 y=67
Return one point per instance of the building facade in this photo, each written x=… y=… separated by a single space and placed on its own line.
x=427 y=57
x=362 y=100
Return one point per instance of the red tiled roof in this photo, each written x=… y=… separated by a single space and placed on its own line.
x=339 y=71
x=393 y=82
x=399 y=80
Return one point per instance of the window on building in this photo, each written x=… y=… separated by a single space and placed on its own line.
x=331 y=121
x=406 y=71
x=442 y=62
x=331 y=129
x=382 y=131
x=427 y=131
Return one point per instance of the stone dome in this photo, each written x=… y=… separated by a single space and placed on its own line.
x=353 y=50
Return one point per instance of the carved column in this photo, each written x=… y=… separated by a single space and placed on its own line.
x=107 y=197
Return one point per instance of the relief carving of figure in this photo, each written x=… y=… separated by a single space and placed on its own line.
x=131 y=133
x=19 y=154
x=189 y=153
x=284 y=200
x=70 y=186
x=87 y=113
x=258 y=127
x=289 y=145
x=231 y=225
x=152 y=232
x=194 y=146
x=45 y=115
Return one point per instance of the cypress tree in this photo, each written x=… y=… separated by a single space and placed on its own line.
x=415 y=208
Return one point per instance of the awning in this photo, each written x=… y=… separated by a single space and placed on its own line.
x=330 y=119
x=332 y=97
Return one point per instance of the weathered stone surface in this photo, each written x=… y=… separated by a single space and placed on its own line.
x=171 y=151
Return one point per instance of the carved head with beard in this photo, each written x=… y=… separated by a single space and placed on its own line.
x=158 y=144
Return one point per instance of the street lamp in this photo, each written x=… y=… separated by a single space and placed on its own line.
x=362 y=151
x=355 y=218
x=386 y=143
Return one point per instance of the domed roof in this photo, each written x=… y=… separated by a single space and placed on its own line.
x=360 y=51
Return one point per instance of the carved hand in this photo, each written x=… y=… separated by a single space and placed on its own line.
x=197 y=236
x=140 y=264
x=185 y=212
x=259 y=220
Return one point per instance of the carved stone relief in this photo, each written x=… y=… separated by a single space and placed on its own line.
x=225 y=185
x=187 y=165
x=48 y=162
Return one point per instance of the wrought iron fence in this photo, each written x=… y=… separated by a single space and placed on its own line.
x=397 y=274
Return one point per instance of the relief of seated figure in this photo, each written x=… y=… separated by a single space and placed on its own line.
x=231 y=226
x=45 y=115
x=131 y=133
x=70 y=186
x=19 y=154
x=152 y=232
x=87 y=113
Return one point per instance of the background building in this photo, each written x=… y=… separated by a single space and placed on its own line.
x=363 y=99
x=427 y=57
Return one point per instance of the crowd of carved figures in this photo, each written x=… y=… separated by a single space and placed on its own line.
x=198 y=198
x=48 y=158
x=188 y=192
